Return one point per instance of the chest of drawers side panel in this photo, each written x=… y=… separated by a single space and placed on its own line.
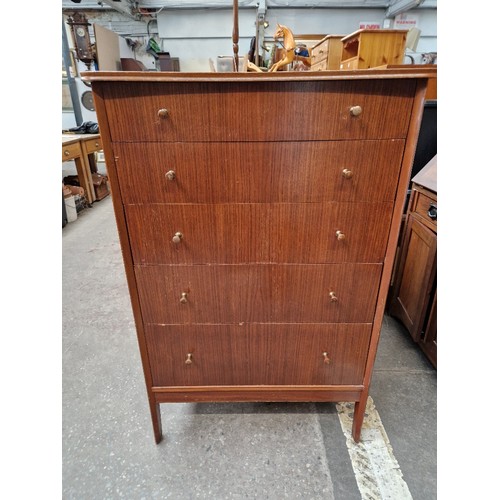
x=98 y=90
x=403 y=183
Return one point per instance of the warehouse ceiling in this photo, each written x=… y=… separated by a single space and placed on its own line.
x=150 y=8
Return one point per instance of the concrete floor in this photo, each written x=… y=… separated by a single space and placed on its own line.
x=214 y=451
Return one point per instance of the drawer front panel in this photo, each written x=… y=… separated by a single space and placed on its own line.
x=321 y=66
x=259 y=233
x=319 y=52
x=426 y=207
x=70 y=151
x=258 y=172
x=92 y=145
x=259 y=111
x=258 y=293
x=257 y=354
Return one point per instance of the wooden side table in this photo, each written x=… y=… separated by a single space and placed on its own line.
x=81 y=148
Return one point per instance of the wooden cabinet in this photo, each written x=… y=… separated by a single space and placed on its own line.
x=327 y=53
x=258 y=238
x=372 y=49
x=414 y=293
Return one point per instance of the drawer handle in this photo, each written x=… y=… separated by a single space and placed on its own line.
x=326 y=359
x=433 y=211
x=189 y=359
x=96 y=144
x=340 y=235
x=333 y=297
x=163 y=113
x=346 y=173
x=184 y=298
x=170 y=175
x=356 y=110
x=66 y=153
x=177 y=238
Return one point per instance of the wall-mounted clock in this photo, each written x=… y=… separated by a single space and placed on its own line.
x=80 y=31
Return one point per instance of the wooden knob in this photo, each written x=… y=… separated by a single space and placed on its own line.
x=346 y=173
x=163 y=113
x=96 y=144
x=333 y=297
x=326 y=359
x=177 y=238
x=356 y=110
x=184 y=298
x=189 y=358
x=66 y=153
x=170 y=175
x=340 y=235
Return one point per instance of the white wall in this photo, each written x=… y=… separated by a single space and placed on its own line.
x=197 y=35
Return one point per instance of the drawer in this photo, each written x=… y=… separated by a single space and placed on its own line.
x=349 y=63
x=426 y=207
x=320 y=66
x=260 y=172
x=70 y=151
x=259 y=110
x=254 y=233
x=93 y=145
x=320 y=52
x=257 y=354
x=259 y=293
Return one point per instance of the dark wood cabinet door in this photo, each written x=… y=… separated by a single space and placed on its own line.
x=257 y=354
x=428 y=342
x=415 y=276
x=258 y=172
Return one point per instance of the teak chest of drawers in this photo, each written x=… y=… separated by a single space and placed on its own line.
x=258 y=216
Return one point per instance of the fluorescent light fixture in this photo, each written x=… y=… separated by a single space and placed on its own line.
x=400 y=6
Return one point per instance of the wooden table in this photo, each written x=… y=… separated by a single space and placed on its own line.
x=80 y=148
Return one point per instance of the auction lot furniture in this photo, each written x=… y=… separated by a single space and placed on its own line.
x=414 y=293
x=80 y=147
x=258 y=216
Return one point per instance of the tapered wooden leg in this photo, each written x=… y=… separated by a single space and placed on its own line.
x=156 y=418
x=359 y=415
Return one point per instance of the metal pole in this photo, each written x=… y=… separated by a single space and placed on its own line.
x=75 y=100
x=236 y=35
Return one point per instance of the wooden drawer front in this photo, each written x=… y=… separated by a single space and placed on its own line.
x=255 y=111
x=248 y=233
x=257 y=354
x=259 y=172
x=320 y=52
x=92 y=145
x=320 y=66
x=258 y=293
x=70 y=151
x=426 y=207
x=349 y=64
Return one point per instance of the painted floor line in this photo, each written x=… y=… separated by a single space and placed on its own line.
x=376 y=469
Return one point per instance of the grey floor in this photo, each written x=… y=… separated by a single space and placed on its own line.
x=214 y=451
